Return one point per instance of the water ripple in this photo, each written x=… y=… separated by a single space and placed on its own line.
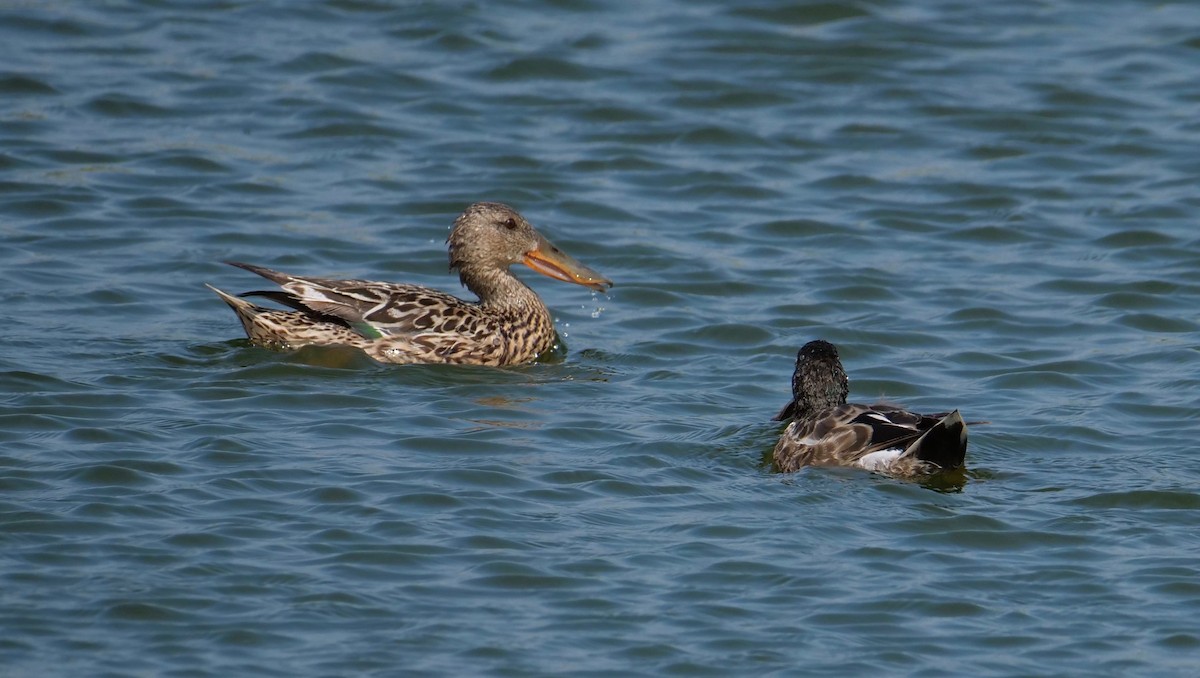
x=989 y=208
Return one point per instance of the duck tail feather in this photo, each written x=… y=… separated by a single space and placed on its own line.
x=240 y=306
x=278 y=297
x=273 y=276
x=944 y=444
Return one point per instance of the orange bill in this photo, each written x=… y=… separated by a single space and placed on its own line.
x=555 y=263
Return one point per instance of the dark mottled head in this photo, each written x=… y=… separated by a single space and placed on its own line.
x=819 y=381
x=489 y=237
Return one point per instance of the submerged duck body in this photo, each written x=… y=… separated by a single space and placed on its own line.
x=401 y=324
x=827 y=431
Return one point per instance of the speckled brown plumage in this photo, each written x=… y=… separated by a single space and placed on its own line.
x=398 y=323
x=827 y=431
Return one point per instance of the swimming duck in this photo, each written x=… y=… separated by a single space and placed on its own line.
x=401 y=324
x=827 y=431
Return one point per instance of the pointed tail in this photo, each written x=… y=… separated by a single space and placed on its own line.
x=245 y=310
x=238 y=305
x=944 y=444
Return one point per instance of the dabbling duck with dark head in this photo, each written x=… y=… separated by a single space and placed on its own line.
x=825 y=430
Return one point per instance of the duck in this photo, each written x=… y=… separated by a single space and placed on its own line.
x=398 y=323
x=826 y=430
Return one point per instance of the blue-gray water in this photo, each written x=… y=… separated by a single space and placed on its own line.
x=990 y=206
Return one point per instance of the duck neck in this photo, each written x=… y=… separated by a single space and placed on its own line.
x=810 y=401
x=815 y=389
x=501 y=291
x=807 y=407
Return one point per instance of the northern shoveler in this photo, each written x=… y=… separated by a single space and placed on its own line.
x=398 y=323
x=827 y=431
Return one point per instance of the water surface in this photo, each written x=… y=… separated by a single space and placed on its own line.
x=986 y=206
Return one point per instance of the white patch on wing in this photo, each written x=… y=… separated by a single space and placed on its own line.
x=881 y=460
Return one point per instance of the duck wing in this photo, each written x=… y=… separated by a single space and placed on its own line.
x=374 y=309
x=901 y=440
x=833 y=437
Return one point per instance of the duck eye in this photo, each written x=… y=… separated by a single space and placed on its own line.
x=510 y=224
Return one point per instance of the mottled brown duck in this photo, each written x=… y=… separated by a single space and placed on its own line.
x=825 y=430
x=401 y=324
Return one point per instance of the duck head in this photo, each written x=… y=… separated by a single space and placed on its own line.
x=490 y=236
x=819 y=381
